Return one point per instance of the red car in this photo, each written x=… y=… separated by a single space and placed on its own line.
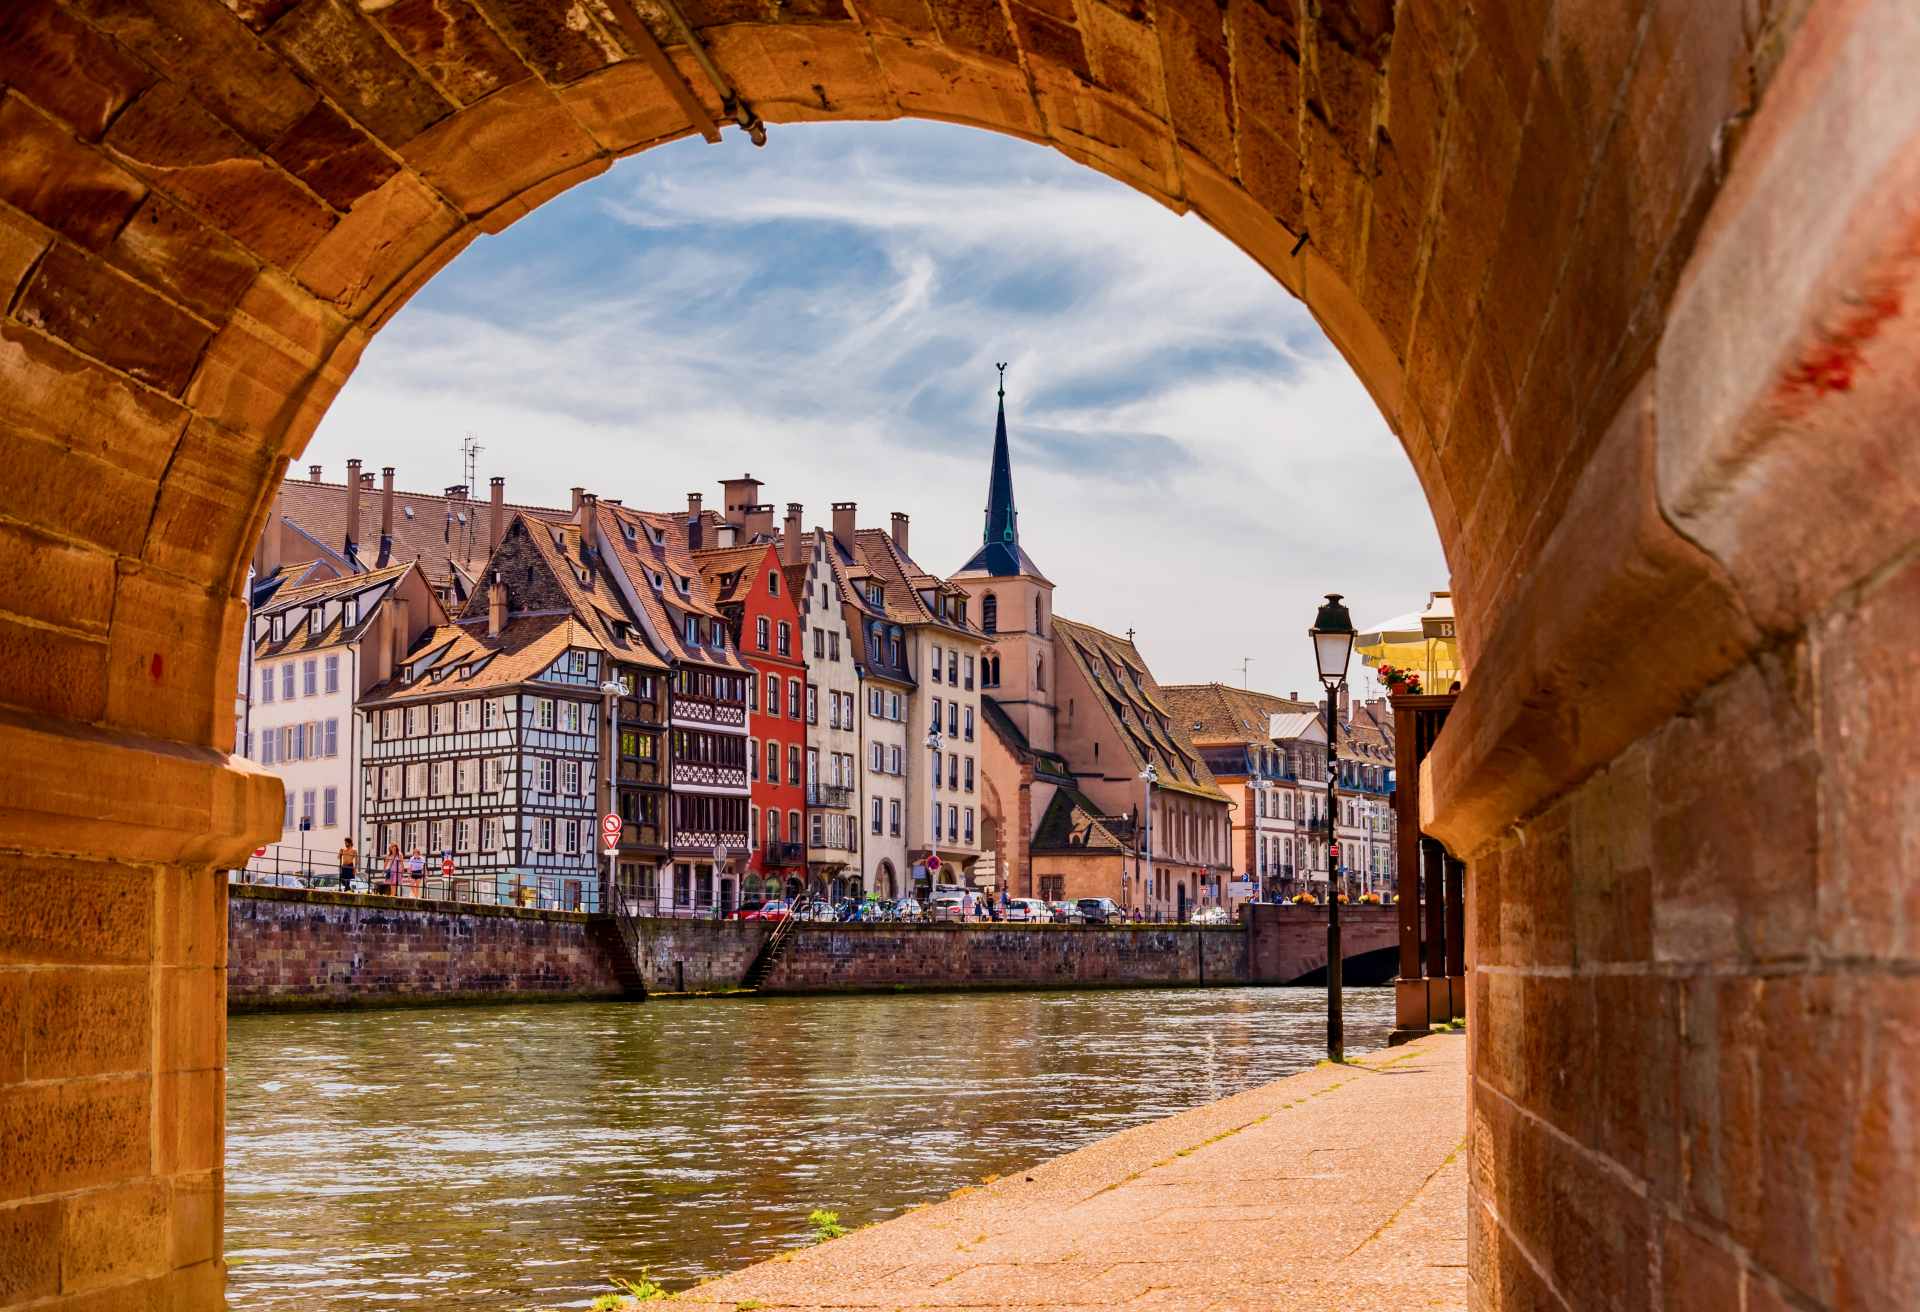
x=775 y=910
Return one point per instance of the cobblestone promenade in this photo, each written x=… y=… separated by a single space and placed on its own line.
x=1339 y=1188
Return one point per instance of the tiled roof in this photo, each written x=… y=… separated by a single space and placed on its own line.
x=1074 y=824
x=591 y=592
x=1133 y=704
x=903 y=581
x=1217 y=713
x=730 y=572
x=1045 y=764
x=427 y=526
x=642 y=561
x=300 y=637
x=462 y=658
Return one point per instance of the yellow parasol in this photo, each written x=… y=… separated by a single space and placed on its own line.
x=1422 y=642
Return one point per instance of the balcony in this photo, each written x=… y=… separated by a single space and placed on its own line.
x=829 y=796
x=783 y=854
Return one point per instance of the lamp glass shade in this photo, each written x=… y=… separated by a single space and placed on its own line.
x=1332 y=635
x=1332 y=651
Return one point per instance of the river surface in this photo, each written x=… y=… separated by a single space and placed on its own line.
x=513 y=1157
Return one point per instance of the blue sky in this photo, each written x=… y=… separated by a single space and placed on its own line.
x=1192 y=459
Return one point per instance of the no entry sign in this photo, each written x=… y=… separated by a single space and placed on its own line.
x=611 y=823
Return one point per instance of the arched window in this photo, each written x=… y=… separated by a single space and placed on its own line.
x=1036 y=615
x=1040 y=673
x=990 y=614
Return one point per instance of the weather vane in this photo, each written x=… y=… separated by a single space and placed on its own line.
x=1002 y=367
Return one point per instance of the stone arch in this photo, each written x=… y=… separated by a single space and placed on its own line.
x=1636 y=297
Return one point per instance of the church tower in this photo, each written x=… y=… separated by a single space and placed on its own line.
x=1012 y=603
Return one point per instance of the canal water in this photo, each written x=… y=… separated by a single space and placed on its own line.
x=514 y=1157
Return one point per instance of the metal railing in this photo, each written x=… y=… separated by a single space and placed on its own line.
x=285 y=867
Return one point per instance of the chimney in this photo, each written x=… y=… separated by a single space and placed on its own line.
x=497 y=518
x=401 y=630
x=496 y=606
x=578 y=492
x=740 y=494
x=1345 y=713
x=313 y=473
x=589 y=509
x=458 y=492
x=695 y=521
x=353 y=505
x=900 y=531
x=791 y=538
x=1293 y=696
x=386 y=514
x=759 y=521
x=843 y=525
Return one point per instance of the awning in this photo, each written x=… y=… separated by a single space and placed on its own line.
x=1424 y=641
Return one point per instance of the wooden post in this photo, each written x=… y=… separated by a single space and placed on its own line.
x=1456 y=881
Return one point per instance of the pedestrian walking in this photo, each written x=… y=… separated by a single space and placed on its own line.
x=348 y=859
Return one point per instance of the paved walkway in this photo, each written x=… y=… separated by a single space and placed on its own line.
x=1340 y=1188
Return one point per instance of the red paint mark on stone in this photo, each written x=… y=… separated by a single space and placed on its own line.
x=154 y=667
x=1832 y=364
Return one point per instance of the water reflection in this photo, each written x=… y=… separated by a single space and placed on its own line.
x=512 y=1157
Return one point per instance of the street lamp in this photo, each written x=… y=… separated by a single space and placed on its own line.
x=1332 y=635
x=1148 y=778
x=613 y=690
x=933 y=791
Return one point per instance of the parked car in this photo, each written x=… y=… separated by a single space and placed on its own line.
x=1028 y=910
x=950 y=904
x=1101 y=910
x=1211 y=916
x=1067 y=913
x=774 y=910
x=907 y=909
x=747 y=908
x=814 y=909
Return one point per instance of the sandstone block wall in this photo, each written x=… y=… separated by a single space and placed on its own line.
x=295 y=948
x=853 y=957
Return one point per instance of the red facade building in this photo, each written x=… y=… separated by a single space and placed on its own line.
x=753 y=594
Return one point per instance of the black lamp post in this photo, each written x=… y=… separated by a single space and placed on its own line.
x=1332 y=635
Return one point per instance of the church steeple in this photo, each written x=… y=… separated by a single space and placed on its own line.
x=1000 y=554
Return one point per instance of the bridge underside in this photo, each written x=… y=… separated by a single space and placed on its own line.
x=1633 y=283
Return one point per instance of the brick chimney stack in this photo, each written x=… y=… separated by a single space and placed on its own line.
x=1346 y=712
x=695 y=522
x=496 y=606
x=739 y=495
x=790 y=539
x=578 y=492
x=843 y=524
x=759 y=521
x=353 y=506
x=386 y=515
x=900 y=531
x=589 y=510
x=313 y=473
x=497 y=515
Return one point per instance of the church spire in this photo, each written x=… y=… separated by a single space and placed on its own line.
x=1000 y=553
x=1003 y=521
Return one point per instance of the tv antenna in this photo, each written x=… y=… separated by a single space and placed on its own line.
x=1245 y=661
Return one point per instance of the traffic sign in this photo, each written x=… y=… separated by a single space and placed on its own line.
x=933 y=863
x=611 y=823
x=610 y=839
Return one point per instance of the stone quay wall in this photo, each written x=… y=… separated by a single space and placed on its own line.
x=293 y=949
x=301 y=948
x=851 y=958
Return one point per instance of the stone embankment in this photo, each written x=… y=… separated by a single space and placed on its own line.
x=1341 y=1187
x=290 y=948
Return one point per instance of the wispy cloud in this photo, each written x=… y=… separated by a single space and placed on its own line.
x=1193 y=460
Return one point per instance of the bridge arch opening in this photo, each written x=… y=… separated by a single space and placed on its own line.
x=1634 y=291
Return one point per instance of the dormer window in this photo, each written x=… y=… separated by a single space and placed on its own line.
x=627 y=529
x=279 y=627
x=653 y=536
x=350 y=612
x=773 y=583
x=693 y=631
x=316 y=620
x=719 y=634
